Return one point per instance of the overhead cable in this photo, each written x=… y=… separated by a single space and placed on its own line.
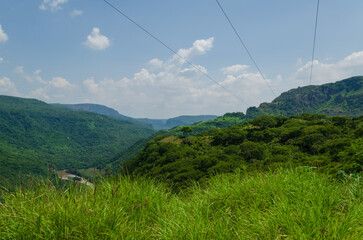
x=245 y=47
x=314 y=42
x=175 y=52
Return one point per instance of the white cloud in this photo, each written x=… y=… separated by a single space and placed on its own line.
x=1 y=59
x=53 y=5
x=330 y=72
x=97 y=41
x=7 y=86
x=155 y=63
x=40 y=93
x=35 y=77
x=172 y=88
x=200 y=47
x=234 y=69
x=59 y=82
x=76 y=13
x=3 y=36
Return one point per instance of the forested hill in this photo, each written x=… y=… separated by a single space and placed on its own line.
x=104 y=110
x=342 y=98
x=329 y=144
x=34 y=135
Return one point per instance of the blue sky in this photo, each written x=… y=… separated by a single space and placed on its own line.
x=77 y=51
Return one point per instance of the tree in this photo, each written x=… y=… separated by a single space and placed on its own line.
x=186 y=130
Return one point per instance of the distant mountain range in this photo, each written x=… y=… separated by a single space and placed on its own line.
x=156 y=124
x=34 y=135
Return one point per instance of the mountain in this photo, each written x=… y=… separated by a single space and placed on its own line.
x=156 y=124
x=342 y=98
x=101 y=109
x=34 y=135
x=96 y=108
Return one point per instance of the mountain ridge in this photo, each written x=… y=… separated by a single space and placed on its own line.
x=35 y=135
x=157 y=124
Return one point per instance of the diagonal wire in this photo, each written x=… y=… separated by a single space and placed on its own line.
x=176 y=53
x=245 y=47
x=316 y=27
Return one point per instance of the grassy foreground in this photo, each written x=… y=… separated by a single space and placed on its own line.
x=290 y=204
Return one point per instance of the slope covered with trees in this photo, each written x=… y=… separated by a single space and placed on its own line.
x=342 y=98
x=330 y=144
x=34 y=135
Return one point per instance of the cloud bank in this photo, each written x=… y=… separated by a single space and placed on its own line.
x=170 y=87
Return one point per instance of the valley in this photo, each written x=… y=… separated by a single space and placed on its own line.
x=268 y=172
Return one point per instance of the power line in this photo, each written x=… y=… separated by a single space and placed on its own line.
x=173 y=51
x=245 y=47
x=316 y=27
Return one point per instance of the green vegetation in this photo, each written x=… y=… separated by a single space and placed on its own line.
x=286 y=204
x=330 y=144
x=343 y=98
x=35 y=135
x=239 y=176
x=100 y=109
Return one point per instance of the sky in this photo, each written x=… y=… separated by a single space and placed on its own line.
x=83 y=51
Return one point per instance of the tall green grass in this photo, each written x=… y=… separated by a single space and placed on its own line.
x=290 y=204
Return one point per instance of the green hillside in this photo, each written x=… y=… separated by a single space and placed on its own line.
x=101 y=109
x=330 y=144
x=342 y=98
x=34 y=135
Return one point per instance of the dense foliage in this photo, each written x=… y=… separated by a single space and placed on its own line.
x=331 y=144
x=294 y=204
x=34 y=135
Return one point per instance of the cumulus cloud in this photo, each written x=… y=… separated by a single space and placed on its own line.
x=330 y=72
x=155 y=63
x=3 y=36
x=7 y=86
x=58 y=88
x=35 y=77
x=200 y=47
x=53 y=5
x=39 y=93
x=234 y=69
x=76 y=13
x=1 y=59
x=172 y=87
x=96 y=40
x=59 y=82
